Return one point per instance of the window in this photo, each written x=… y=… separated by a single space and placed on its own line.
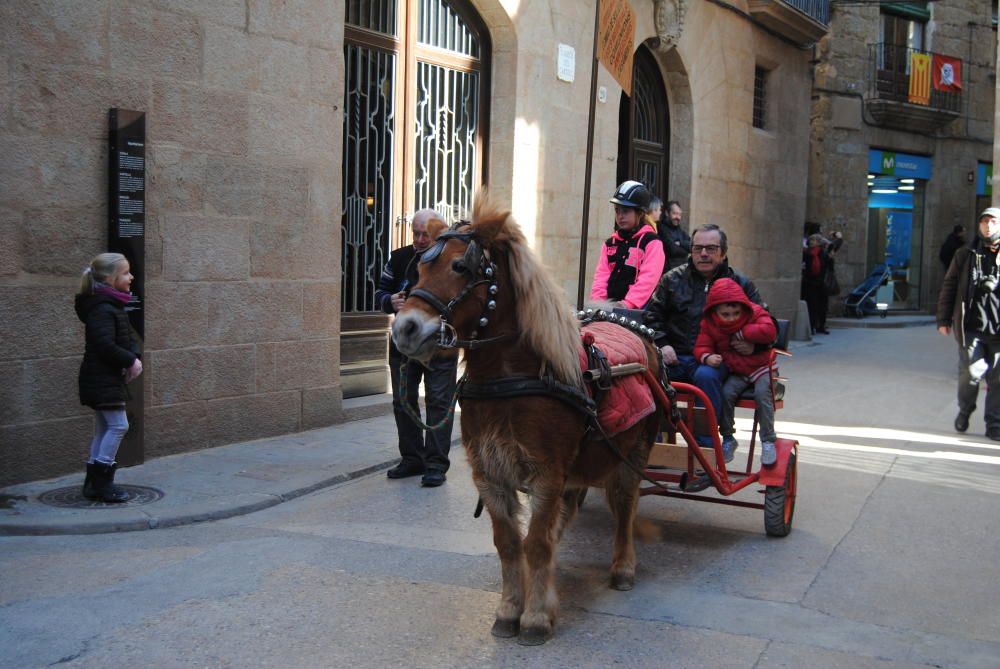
x=902 y=31
x=760 y=98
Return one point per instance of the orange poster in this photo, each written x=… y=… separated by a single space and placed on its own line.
x=920 y=78
x=615 y=39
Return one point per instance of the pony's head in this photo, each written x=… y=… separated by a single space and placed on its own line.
x=454 y=298
x=480 y=281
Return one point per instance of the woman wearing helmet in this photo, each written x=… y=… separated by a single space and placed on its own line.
x=632 y=258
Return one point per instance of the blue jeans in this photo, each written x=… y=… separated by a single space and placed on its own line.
x=708 y=379
x=416 y=448
x=110 y=426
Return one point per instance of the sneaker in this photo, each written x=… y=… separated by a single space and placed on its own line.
x=768 y=453
x=729 y=446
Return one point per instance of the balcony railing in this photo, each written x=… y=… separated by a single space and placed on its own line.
x=802 y=21
x=913 y=89
x=816 y=9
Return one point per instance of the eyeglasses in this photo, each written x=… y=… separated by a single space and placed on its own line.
x=708 y=248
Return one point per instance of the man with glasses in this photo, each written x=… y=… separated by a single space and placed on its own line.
x=675 y=313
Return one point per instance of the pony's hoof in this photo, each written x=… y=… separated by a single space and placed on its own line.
x=622 y=582
x=534 y=636
x=505 y=629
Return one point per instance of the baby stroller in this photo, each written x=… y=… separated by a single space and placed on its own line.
x=861 y=301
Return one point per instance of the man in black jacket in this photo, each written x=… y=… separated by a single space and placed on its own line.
x=676 y=310
x=420 y=455
x=954 y=241
x=676 y=243
x=969 y=307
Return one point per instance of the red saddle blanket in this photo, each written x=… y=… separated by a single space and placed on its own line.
x=630 y=399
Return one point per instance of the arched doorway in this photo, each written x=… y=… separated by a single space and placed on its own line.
x=415 y=131
x=644 y=127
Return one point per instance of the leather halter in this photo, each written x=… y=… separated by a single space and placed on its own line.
x=479 y=270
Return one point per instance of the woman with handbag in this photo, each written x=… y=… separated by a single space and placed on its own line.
x=819 y=282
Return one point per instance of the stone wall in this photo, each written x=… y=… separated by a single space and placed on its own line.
x=751 y=182
x=842 y=133
x=243 y=100
x=243 y=191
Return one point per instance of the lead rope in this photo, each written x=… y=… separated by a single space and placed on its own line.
x=415 y=415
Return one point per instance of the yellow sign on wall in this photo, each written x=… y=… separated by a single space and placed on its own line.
x=920 y=78
x=615 y=39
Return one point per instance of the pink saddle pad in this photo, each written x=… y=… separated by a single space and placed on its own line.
x=630 y=399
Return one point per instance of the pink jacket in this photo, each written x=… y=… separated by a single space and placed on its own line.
x=646 y=260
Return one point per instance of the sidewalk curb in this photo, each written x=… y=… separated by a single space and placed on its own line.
x=151 y=522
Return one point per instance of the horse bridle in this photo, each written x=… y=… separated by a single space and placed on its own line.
x=479 y=270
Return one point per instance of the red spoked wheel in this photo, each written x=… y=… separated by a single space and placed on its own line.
x=779 y=501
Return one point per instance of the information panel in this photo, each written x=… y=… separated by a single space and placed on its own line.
x=127 y=235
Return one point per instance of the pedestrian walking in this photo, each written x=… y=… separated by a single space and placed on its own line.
x=110 y=362
x=969 y=307
x=676 y=241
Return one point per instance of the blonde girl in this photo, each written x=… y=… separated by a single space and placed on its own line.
x=109 y=363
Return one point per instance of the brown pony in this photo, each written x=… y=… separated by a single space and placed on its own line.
x=482 y=289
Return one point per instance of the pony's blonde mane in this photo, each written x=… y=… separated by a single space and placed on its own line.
x=544 y=317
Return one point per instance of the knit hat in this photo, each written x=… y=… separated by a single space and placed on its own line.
x=991 y=211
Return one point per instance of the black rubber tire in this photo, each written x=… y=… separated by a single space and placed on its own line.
x=779 y=502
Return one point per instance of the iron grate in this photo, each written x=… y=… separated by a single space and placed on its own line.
x=72 y=497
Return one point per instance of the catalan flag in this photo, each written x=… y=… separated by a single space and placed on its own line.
x=920 y=78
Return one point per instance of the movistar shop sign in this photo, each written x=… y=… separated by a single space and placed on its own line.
x=899 y=164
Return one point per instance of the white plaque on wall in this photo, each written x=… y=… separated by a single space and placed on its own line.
x=566 y=70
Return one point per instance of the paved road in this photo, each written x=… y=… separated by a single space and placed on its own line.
x=890 y=564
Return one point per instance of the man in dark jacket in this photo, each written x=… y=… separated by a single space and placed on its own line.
x=954 y=241
x=420 y=455
x=969 y=307
x=676 y=310
x=676 y=242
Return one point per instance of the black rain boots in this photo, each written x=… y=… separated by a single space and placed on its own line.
x=100 y=483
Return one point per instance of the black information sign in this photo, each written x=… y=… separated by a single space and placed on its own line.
x=127 y=235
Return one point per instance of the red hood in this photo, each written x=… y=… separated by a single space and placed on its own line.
x=727 y=290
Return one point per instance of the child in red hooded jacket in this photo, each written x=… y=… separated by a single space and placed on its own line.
x=729 y=317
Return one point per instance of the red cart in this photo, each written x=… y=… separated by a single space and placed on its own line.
x=685 y=469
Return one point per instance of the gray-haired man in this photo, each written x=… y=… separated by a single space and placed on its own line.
x=421 y=454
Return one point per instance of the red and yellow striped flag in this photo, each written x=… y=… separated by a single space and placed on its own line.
x=920 y=78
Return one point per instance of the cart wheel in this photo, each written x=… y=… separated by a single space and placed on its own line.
x=779 y=502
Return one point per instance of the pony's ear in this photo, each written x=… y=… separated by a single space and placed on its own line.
x=435 y=227
x=488 y=217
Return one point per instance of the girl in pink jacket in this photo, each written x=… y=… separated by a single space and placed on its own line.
x=632 y=258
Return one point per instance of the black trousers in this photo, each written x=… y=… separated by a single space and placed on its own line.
x=985 y=348
x=416 y=448
x=817 y=303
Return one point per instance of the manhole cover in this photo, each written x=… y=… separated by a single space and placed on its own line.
x=72 y=497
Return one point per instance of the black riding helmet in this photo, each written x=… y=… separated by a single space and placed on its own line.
x=632 y=194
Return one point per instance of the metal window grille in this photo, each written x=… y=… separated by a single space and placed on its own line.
x=759 y=98
x=369 y=115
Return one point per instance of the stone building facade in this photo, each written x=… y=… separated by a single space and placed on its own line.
x=864 y=114
x=251 y=152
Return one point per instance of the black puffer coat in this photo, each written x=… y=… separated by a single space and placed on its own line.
x=108 y=352
x=678 y=302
